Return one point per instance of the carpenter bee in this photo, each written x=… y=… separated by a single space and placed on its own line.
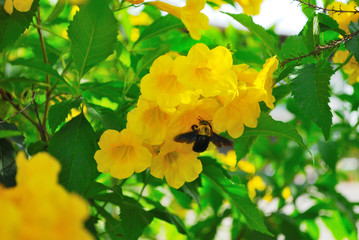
x=201 y=136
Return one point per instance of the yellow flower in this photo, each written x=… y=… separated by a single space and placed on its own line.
x=188 y=114
x=148 y=121
x=250 y=7
x=20 y=5
x=190 y=15
x=286 y=193
x=38 y=207
x=343 y=18
x=256 y=183
x=161 y=85
x=243 y=110
x=209 y=71
x=351 y=68
x=121 y=154
x=177 y=162
x=142 y=19
x=247 y=167
x=229 y=159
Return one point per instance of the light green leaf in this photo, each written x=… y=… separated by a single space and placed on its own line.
x=257 y=30
x=161 y=25
x=56 y=11
x=9 y=133
x=237 y=195
x=59 y=111
x=267 y=126
x=12 y=26
x=311 y=93
x=74 y=145
x=93 y=35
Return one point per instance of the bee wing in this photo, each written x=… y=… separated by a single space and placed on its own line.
x=187 y=137
x=220 y=141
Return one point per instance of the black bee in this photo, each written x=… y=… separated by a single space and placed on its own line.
x=201 y=136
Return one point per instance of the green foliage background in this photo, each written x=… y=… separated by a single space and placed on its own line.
x=96 y=70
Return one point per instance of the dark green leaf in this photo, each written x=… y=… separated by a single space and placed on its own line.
x=238 y=196
x=293 y=47
x=267 y=126
x=12 y=26
x=258 y=30
x=327 y=23
x=133 y=218
x=108 y=118
x=163 y=214
x=18 y=84
x=7 y=163
x=36 y=147
x=74 y=145
x=353 y=44
x=311 y=93
x=281 y=92
x=93 y=35
x=40 y=66
x=191 y=189
x=329 y=152
x=161 y=25
x=59 y=111
x=242 y=146
x=112 y=90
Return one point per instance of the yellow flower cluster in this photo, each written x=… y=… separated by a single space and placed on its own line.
x=20 y=5
x=351 y=68
x=250 y=7
x=38 y=208
x=190 y=15
x=175 y=93
x=344 y=18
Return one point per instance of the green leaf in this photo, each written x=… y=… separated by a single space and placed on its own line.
x=353 y=44
x=293 y=47
x=12 y=26
x=308 y=11
x=36 y=147
x=257 y=30
x=9 y=133
x=18 y=84
x=41 y=67
x=329 y=152
x=161 y=25
x=238 y=196
x=112 y=90
x=134 y=218
x=191 y=189
x=93 y=35
x=7 y=163
x=163 y=214
x=59 y=111
x=267 y=126
x=327 y=23
x=74 y=145
x=56 y=11
x=311 y=33
x=242 y=146
x=311 y=93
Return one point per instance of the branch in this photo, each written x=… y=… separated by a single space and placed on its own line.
x=339 y=11
x=321 y=48
x=21 y=110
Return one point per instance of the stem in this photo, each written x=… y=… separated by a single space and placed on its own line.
x=47 y=30
x=44 y=54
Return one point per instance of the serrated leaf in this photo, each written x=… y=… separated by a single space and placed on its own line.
x=12 y=26
x=237 y=195
x=329 y=152
x=311 y=93
x=352 y=45
x=42 y=67
x=93 y=35
x=293 y=47
x=134 y=218
x=267 y=126
x=74 y=145
x=59 y=111
x=257 y=30
x=161 y=25
x=7 y=164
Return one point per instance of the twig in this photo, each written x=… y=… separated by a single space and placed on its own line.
x=321 y=48
x=339 y=11
x=44 y=54
x=21 y=110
